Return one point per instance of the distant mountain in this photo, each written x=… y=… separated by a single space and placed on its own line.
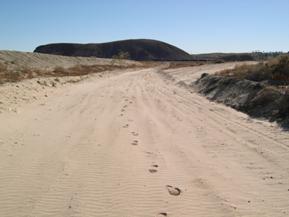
x=134 y=49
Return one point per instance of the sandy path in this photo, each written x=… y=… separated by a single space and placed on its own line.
x=110 y=147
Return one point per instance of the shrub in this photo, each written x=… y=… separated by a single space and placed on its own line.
x=3 y=67
x=275 y=70
x=280 y=68
x=58 y=70
x=122 y=55
x=15 y=75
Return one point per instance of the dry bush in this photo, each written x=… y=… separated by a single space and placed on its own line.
x=122 y=55
x=8 y=75
x=58 y=70
x=17 y=73
x=275 y=71
x=3 y=67
x=79 y=70
x=181 y=64
x=3 y=72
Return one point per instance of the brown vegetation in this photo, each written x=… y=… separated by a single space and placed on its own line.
x=79 y=70
x=20 y=73
x=274 y=71
x=260 y=90
x=180 y=64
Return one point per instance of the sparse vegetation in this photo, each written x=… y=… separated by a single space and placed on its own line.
x=80 y=70
x=3 y=67
x=260 y=90
x=231 y=57
x=15 y=74
x=17 y=66
x=122 y=55
x=274 y=71
x=180 y=64
x=20 y=73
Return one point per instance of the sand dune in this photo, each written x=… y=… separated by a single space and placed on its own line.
x=136 y=144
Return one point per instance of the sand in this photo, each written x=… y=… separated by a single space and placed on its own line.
x=136 y=144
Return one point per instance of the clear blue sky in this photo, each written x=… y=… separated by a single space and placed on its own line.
x=194 y=25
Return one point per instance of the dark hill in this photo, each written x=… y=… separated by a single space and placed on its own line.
x=138 y=49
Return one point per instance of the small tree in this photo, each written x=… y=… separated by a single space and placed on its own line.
x=121 y=55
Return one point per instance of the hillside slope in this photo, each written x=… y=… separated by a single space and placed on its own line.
x=260 y=90
x=138 y=49
x=15 y=66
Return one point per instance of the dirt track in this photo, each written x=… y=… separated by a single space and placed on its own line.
x=135 y=144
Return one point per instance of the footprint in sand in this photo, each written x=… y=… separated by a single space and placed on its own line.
x=162 y=214
x=153 y=170
x=134 y=133
x=174 y=191
x=125 y=126
x=151 y=154
x=135 y=142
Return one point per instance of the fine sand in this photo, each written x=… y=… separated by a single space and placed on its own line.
x=134 y=144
